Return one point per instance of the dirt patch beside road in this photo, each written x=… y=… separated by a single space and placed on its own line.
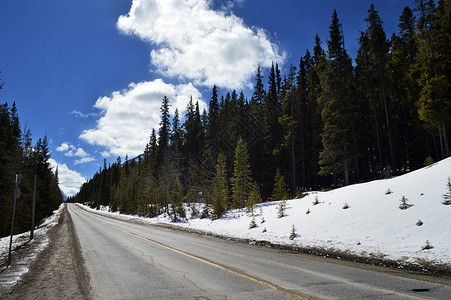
x=59 y=271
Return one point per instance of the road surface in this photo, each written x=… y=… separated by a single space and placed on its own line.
x=132 y=261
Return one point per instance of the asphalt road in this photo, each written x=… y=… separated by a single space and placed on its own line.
x=133 y=261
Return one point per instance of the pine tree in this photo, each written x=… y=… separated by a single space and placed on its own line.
x=176 y=199
x=254 y=198
x=252 y=224
x=364 y=78
x=273 y=131
x=256 y=126
x=241 y=180
x=318 y=63
x=447 y=195
x=220 y=189
x=176 y=135
x=194 y=135
x=280 y=191
x=293 y=233
x=406 y=123
x=433 y=68
x=378 y=51
x=164 y=131
x=337 y=115
x=212 y=130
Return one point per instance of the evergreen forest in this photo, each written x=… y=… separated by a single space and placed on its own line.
x=19 y=156
x=330 y=121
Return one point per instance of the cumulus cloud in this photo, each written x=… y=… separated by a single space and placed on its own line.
x=128 y=116
x=69 y=180
x=72 y=151
x=63 y=147
x=83 y=160
x=197 y=43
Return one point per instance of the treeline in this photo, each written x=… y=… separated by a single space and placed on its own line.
x=328 y=122
x=18 y=156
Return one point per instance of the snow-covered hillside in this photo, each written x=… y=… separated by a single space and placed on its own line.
x=372 y=225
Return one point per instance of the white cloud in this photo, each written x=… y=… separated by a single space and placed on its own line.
x=79 y=152
x=197 y=43
x=69 y=180
x=83 y=160
x=72 y=151
x=63 y=147
x=128 y=116
x=82 y=115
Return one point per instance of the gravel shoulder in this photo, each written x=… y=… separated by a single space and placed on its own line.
x=59 y=271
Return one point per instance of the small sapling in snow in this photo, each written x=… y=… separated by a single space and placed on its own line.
x=308 y=211
x=419 y=223
x=264 y=230
x=316 y=201
x=404 y=204
x=428 y=246
x=447 y=196
x=346 y=206
x=252 y=224
x=293 y=233
x=263 y=220
x=388 y=192
x=281 y=208
x=428 y=161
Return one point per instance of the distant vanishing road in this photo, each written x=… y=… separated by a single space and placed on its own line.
x=132 y=261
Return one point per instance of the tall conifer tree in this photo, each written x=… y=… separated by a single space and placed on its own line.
x=241 y=180
x=337 y=115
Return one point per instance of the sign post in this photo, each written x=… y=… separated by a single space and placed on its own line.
x=16 y=195
x=34 y=207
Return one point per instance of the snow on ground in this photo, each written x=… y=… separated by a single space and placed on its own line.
x=372 y=226
x=19 y=266
x=19 y=239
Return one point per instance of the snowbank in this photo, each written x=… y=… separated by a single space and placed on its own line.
x=19 y=239
x=20 y=266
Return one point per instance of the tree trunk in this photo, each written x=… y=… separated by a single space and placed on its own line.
x=441 y=143
x=376 y=124
x=346 y=173
x=387 y=120
x=445 y=138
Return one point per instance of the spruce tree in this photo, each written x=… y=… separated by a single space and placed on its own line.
x=256 y=126
x=280 y=191
x=212 y=130
x=176 y=199
x=378 y=46
x=433 y=68
x=164 y=131
x=407 y=126
x=176 y=134
x=220 y=189
x=447 y=195
x=254 y=198
x=318 y=64
x=241 y=180
x=337 y=113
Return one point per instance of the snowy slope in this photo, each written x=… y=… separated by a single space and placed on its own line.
x=373 y=225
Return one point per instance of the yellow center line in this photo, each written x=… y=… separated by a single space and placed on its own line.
x=294 y=293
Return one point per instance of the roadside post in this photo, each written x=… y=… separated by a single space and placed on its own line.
x=16 y=195
x=34 y=207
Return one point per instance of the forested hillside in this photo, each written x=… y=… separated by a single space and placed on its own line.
x=331 y=120
x=18 y=156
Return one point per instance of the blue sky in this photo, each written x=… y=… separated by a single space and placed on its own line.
x=91 y=74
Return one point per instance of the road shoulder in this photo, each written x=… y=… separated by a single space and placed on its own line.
x=59 y=271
